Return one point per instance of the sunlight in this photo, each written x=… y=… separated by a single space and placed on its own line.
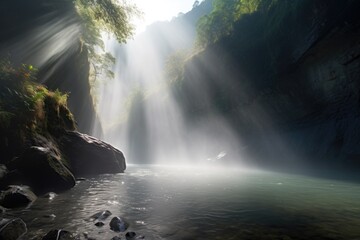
x=153 y=129
x=52 y=40
x=159 y=10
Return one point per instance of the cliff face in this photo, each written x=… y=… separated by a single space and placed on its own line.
x=46 y=35
x=71 y=74
x=292 y=97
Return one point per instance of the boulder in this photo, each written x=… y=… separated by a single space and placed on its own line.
x=13 y=177
x=100 y=216
x=60 y=235
x=17 y=196
x=118 y=224
x=12 y=229
x=43 y=169
x=88 y=155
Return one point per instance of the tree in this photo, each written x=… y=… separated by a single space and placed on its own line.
x=100 y=16
x=221 y=20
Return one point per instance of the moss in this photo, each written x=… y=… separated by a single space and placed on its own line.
x=27 y=108
x=58 y=117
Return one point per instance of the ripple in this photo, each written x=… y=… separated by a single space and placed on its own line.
x=180 y=205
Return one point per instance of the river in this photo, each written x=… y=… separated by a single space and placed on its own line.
x=203 y=203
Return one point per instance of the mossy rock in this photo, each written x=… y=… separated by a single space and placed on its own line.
x=43 y=169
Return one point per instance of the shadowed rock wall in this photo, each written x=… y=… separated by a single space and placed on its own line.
x=292 y=97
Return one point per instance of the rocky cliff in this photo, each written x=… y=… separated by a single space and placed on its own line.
x=292 y=94
x=46 y=34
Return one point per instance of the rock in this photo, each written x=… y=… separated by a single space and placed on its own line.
x=2 y=210
x=13 y=177
x=17 y=196
x=3 y=171
x=12 y=229
x=116 y=238
x=86 y=235
x=100 y=216
x=130 y=235
x=43 y=169
x=50 y=195
x=80 y=179
x=60 y=235
x=118 y=224
x=99 y=224
x=88 y=155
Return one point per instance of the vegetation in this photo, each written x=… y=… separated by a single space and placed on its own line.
x=27 y=107
x=175 y=66
x=98 y=17
x=258 y=39
x=220 y=22
x=105 y=15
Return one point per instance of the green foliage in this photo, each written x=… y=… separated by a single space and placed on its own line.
x=99 y=17
x=102 y=65
x=174 y=67
x=105 y=15
x=23 y=102
x=220 y=22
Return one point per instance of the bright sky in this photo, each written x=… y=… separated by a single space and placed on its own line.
x=159 y=10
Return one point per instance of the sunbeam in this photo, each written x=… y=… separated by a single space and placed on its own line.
x=149 y=124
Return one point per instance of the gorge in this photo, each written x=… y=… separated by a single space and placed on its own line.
x=237 y=119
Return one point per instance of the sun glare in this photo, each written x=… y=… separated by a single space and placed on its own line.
x=159 y=10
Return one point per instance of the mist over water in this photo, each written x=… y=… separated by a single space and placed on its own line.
x=162 y=202
x=140 y=114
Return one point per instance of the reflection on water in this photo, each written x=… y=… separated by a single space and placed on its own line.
x=171 y=203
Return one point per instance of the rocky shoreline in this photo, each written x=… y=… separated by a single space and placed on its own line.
x=12 y=229
x=49 y=166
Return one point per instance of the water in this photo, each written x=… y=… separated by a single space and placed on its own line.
x=189 y=203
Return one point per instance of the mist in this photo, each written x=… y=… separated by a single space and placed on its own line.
x=140 y=113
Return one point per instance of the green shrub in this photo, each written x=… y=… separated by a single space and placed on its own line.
x=26 y=106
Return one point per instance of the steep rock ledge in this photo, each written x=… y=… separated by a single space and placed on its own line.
x=294 y=99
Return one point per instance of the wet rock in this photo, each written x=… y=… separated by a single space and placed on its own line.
x=99 y=224
x=59 y=234
x=12 y=229
x=17 y=196
x=43 y=169
x=130 y=235
x=50 y=195
x=3 y=171
x=116 y=238
x=86 y=235
x=88 y=155
x=13 y=177
x=118 y=224
x=52 y=216
x=100 y=216
x=2 y=210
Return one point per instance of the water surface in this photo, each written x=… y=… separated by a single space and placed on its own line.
x=184 y=203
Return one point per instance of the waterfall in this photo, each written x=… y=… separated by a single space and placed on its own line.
x=140 y=114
